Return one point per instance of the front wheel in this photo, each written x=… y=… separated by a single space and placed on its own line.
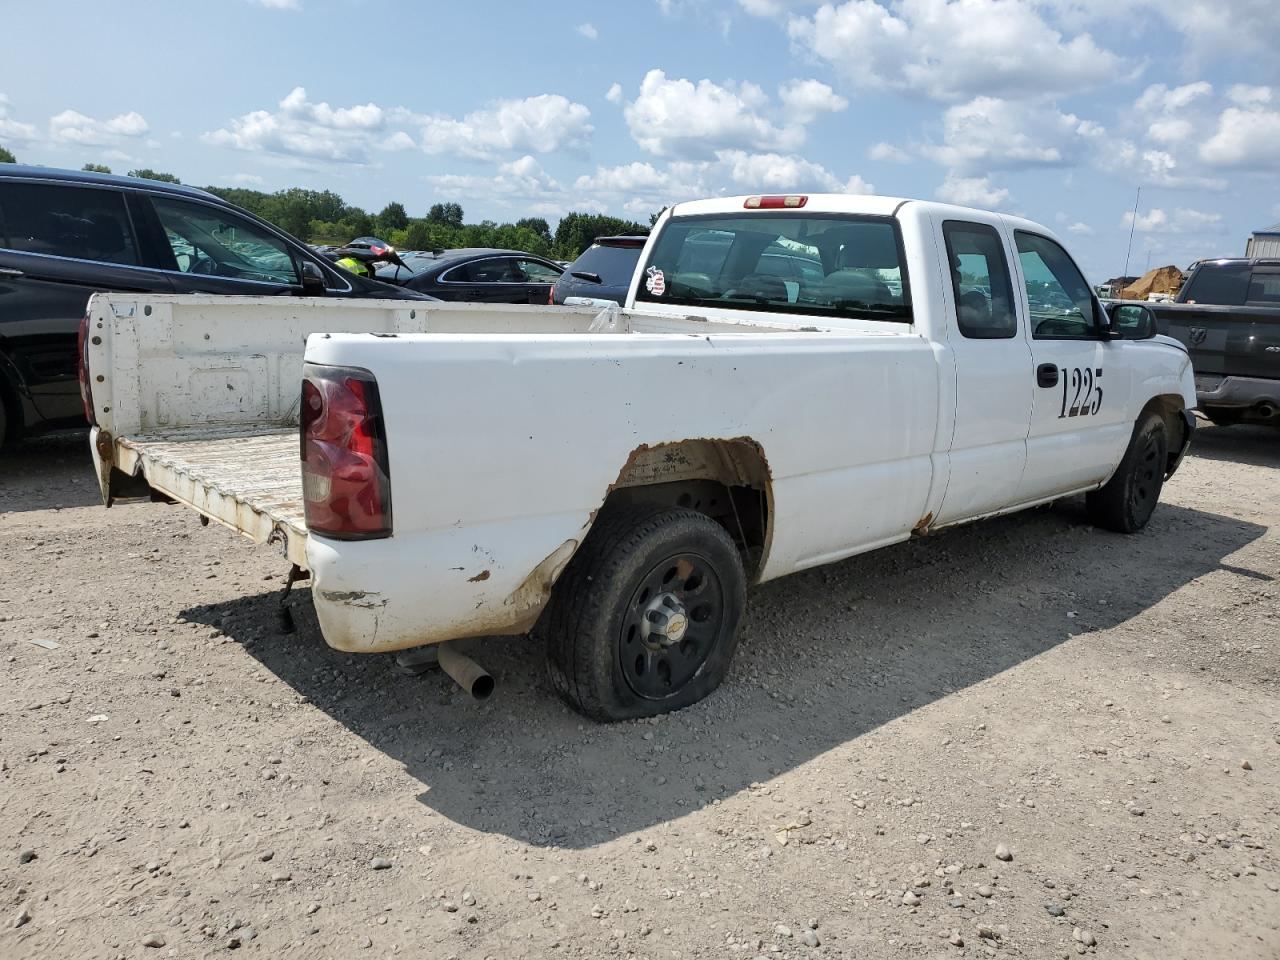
x=644 y=620
x=1125 y=503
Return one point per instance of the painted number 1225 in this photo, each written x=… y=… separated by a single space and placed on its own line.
x=1081 y=391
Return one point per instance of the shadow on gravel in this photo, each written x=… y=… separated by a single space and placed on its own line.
x=47 y=472
x=826 y=656
x=1256 y=446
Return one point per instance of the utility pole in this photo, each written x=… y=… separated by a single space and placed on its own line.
x=1132 y=223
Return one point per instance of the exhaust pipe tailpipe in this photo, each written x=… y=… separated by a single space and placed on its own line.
x=468 y=674
x=1266 y=410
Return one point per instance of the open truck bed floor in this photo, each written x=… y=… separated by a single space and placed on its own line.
x=249 y=483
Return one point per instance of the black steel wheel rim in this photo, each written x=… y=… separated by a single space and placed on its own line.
x=656 y=666
x=1146 y=477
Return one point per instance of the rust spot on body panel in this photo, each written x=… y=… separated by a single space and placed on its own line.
x=480 y=577
x=922 y=525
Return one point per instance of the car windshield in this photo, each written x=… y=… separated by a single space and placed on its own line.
x=614 y=265
x=819 y=264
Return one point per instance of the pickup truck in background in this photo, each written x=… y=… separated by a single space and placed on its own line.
x=1227 y=314
x=792 y=381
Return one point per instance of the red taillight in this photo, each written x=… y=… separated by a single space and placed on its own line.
x=551 y=295
x=792 y=202
x=86 y=391
x=346 y=480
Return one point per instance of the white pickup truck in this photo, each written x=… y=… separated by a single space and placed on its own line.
x=793 y=380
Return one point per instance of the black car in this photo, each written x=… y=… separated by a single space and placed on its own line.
x=478 y=275
x=603 y=272
x=66 y=234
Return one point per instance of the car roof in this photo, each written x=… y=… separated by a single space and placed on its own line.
x=22 y=171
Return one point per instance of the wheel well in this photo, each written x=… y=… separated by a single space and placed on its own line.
x=1170 y=407
x=728 y=480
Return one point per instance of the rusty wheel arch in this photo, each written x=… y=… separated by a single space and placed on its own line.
x=728 y=479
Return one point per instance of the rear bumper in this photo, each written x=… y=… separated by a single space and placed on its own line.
x=1239 y=392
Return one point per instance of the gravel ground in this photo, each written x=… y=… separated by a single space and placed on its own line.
x=1025 y=738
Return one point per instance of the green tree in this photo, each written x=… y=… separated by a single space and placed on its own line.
x=148 y=174
x=449 y=214
x=6 y=156
x=418 y=236
x=537 y=225
x=392 y=217
x=577 y=231
x=96 y=168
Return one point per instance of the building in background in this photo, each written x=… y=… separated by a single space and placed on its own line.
x=1264 y=243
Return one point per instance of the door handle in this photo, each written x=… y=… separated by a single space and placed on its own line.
x=10 y=272
x=1047 y=375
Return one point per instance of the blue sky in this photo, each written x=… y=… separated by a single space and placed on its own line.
x=1055 y=109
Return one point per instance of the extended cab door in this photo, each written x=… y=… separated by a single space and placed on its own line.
x=993 y=392
x=1080 y=418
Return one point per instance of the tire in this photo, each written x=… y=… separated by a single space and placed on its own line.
x=1125 y=503
x=644 y=620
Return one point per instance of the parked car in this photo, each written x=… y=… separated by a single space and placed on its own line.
x=602 y=274
x=478 y=275
x=65 y=234
x=1227 y=314
x=616 y=487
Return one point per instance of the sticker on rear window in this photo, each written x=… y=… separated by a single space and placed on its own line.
x=655 y=282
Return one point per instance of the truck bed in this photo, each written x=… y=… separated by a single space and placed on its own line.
x=248 y=482
x=198 y=395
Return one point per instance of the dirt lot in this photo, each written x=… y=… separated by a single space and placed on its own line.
x=1106 y=710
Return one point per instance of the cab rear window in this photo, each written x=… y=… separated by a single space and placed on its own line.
x=826 y=265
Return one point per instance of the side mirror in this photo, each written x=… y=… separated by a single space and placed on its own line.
x=313 y=284
x=1130 y=321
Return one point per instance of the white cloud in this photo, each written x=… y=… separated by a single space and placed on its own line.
x=771 y=8
x=777 y=173
x=1247 y=138
x=1080 y=229
x=588 y=31
x=972 y=192
x=1170 y=130
x=806 y=100
x=247 y=179
x=305 y=129
x=399 y=141
x=953 y=50
x=1247 y=96
x=73 y=127
x=13 y=131
x=992 y=134
x=1163 y=99
x=888 y=153
x=676 y=117
x=614 y=94
x=641 y=185
x=539 y=124
x=280 y=4
x=1182 y=220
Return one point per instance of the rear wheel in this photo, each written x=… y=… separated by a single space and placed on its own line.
x=1126 y=502
x=644 y=619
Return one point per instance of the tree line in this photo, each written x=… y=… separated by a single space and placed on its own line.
x=322 y=216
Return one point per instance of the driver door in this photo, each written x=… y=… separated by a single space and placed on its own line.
x=210 y=250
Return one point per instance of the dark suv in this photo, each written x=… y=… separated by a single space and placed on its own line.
x=602 y=273
x=65 y=235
